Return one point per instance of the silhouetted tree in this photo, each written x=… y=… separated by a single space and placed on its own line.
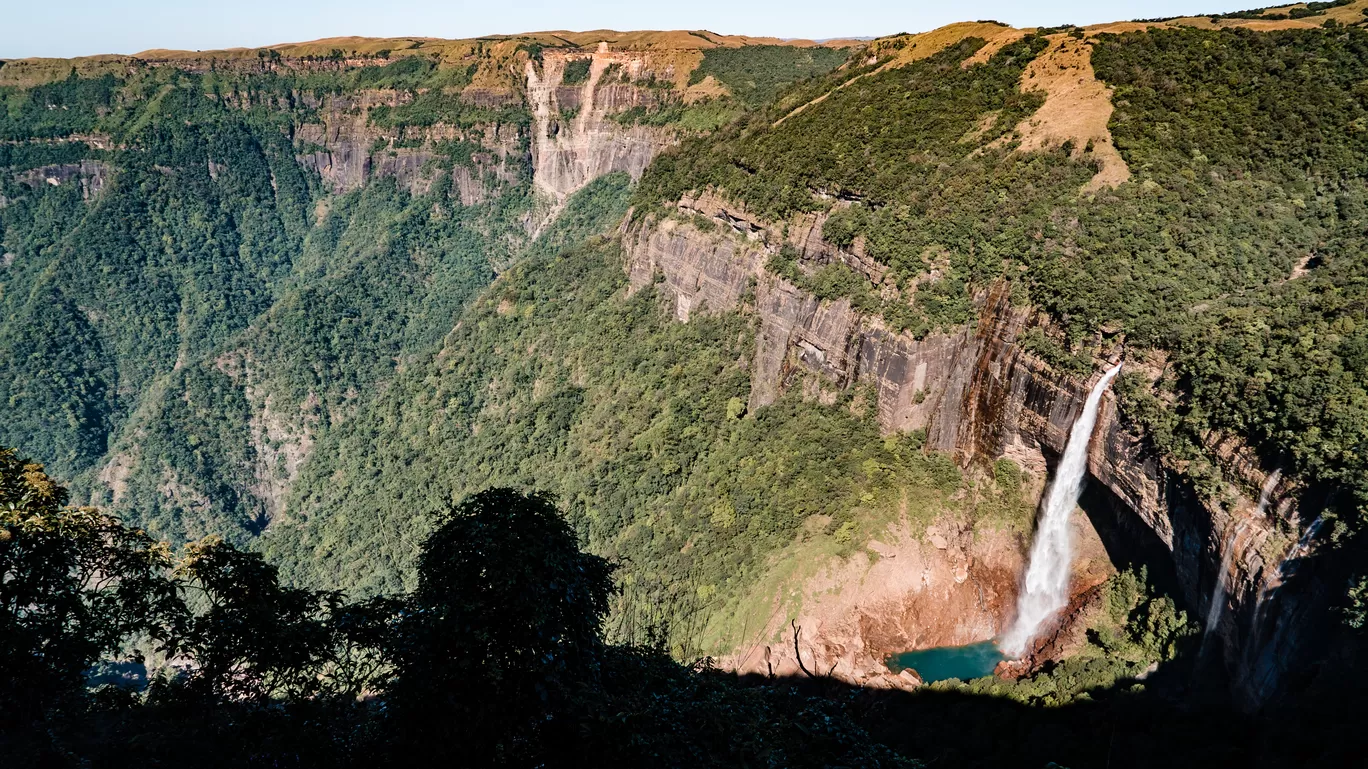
x=74 y=585
x=259 y=640
x=504 y=623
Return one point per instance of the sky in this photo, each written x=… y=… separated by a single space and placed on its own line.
x=81 y=27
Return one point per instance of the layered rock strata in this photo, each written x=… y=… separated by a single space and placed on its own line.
x=575 y=138
x=348 y=150
x=977 y=394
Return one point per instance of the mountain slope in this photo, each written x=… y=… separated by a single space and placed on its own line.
x=841 y=318
x=911 y=207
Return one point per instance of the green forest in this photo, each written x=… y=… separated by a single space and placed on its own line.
x=1247 y=161
x=314 y=474
x=497 y=656
x=152 y=321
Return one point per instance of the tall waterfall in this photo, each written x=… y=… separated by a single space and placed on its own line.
x=1286 y=567
x=1046 y=588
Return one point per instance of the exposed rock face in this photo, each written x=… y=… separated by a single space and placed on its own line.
x=978 y=395
x=92 y=175
x=950 y=585
x=280 y=444
x=347 y=150
x=575 y=140
x=574 y=136
x=281 y=436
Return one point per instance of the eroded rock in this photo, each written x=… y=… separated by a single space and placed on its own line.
x=980 y=396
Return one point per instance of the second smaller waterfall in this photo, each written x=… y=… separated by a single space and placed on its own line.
x=1218 y=591
x=1222 y=586
x=1045 y=589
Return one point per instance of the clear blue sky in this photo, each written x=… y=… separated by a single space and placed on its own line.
x=80 y=27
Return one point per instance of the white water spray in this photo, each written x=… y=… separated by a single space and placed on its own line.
x=1046 y=588
x=1300 y=550
x=1218 y=592
x=1222 y=586
x=1266 y=493
x=1285 y=568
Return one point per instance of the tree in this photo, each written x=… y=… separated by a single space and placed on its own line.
x=503 y=624
x=258 y=640
x=75 y=584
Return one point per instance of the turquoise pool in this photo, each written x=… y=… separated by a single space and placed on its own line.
x=945 y=662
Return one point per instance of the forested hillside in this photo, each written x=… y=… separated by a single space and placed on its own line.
x=556 y=380
x=209 y=262
x=1232 y=248
x=209 y=269
x=1246 y=241
x=310 y=301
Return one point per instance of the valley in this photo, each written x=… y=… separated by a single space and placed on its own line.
x=793 y=336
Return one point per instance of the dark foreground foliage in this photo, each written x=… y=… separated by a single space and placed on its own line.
x=496 y=658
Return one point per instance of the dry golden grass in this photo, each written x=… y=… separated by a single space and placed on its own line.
x=994 y=44
x=399 y=46
x=707 y=88
x=910 y=48
x=1077 y=108
x=1345 y=14
x=26 y=73
x=676 y=39
x=923 y=45
x=681 y=51
x=1258 y=25
x=360 y=46
x=1121 y=27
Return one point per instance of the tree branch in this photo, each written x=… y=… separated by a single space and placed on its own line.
x=796 y=632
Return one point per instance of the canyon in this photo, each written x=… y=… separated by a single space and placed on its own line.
x=974 y=392
x=977 y=394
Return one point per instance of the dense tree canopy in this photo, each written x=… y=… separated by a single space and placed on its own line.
x=1248 y=160
x=316 y=390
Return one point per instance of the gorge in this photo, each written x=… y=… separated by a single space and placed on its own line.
x=816 y=344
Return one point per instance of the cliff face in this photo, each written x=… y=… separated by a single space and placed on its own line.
x=347 y=150
x=575 y=138
x=980 y=396
x=950 y=584
x=92 y=175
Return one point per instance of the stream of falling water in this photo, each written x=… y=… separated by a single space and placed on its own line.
x=1222 y=586
x=1218 y=591
x=1287 y=565
x=1046 y=588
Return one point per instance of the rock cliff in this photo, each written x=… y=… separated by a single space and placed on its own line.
x=977 y=394
x=347 y=149
x=575 y=138
x=92 y=175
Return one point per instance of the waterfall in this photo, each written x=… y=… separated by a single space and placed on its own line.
x=1218 y=591
x=1222 y=586
x=1300 y=550
x=1046 y=588
x=1285 y=569
x=1266 y=493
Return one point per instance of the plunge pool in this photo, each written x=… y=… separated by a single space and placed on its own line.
x=945 y=662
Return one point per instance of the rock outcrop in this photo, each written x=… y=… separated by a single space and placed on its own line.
x=952 y=584
x=92 y=175
x=977 y=394
x=575 y=138
x=347 y=149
